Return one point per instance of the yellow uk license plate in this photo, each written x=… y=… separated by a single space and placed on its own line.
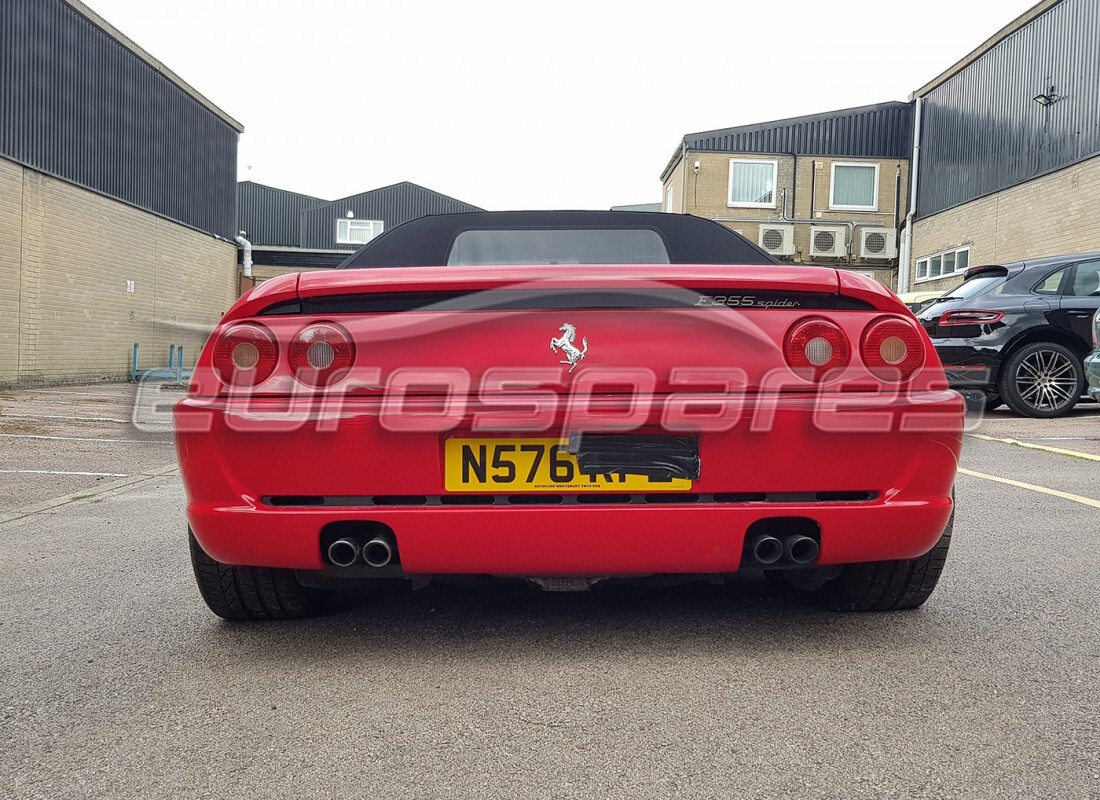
x=534 y=465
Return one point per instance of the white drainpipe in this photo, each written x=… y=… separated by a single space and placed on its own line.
x=246 y=254
x=907 y=235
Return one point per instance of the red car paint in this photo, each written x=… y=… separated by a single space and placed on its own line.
x=420 y=377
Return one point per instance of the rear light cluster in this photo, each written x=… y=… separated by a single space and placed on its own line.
x=815 y=347
x=970 y=316
x=321 y=354
x=247 y=354
x=892 y=349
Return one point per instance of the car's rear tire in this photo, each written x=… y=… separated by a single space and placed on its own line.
x=251 y=593
x=877 y=586
x=1042 y=380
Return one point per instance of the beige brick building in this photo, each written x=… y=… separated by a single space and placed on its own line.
x=832 y=193
x=112 y=234
x=83 y=277
x=1052 y=215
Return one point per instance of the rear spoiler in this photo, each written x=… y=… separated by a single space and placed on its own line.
x=991 y=269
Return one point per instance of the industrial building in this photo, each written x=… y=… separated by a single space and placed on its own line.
x=117 y=200
x=292 y=232
x=1006 y=155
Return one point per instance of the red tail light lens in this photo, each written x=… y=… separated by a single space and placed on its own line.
x=245 y=355
x=892 y=349
x=815 y=347
x=970 y=316
x=321 y=354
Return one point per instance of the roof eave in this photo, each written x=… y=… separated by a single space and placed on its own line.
x=672 y=162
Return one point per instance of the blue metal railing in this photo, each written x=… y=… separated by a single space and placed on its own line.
x=174 y=370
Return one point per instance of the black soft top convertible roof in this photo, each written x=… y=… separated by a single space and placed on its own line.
x=427 y=241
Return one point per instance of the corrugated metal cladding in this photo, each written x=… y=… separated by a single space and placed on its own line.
x=982 y=131
x=272 y=216
x=391 y=204
x=879 y=131
x=77 y=104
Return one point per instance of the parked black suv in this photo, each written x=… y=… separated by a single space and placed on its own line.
x=1019 y=332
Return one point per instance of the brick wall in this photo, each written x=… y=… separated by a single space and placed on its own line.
x=1056 y=214
x=706 y=195
x=66 y=255
x=11 y=216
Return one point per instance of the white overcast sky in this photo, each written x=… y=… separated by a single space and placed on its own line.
x=511 y=105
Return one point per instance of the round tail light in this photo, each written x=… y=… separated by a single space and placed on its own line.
x=321 y=354
x=245 y=355
x=892 y=349
x=815 y=347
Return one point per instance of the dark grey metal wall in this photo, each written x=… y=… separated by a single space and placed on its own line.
x=77 y=104
x=884 y=130
x=391 y=204
x=982 y=131
x=272 y=216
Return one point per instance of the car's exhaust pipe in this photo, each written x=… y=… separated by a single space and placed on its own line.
x=344 y=552
x=800 y=549
x=766 y=549
x=379 y=551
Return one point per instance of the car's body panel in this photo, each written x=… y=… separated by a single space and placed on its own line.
x=901 y=450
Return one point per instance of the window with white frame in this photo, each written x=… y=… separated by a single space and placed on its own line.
x=668 y=200
x=752 y=183
x=854 y=187
x=939 y=265
x=357 y=231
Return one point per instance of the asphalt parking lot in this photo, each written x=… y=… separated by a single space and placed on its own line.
x=115 y=681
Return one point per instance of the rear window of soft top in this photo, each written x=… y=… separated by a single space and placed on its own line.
x=550 y=246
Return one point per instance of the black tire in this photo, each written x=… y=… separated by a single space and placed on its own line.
x=878 y=586
x=980 y=402
x=251 y=593
x=1042 y=380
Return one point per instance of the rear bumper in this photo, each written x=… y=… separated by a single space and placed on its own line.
x=902 y=450
x=969 y=364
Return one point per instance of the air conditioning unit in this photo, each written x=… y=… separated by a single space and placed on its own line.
x=878 y=243
x=828 y=241
x=777 y=239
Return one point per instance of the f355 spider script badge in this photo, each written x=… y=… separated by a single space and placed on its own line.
x=568 y=349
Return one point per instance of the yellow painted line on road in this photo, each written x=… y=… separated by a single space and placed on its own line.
x=1030 y=446
x=1076 y=498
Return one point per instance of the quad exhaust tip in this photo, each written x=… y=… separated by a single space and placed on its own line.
x=772 y=547
x=375 y=548
x=344 y=552
x=378 y=552
x=800 y=549
x=766 y=549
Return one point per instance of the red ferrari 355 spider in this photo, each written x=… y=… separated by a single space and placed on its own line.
x=567 y=397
